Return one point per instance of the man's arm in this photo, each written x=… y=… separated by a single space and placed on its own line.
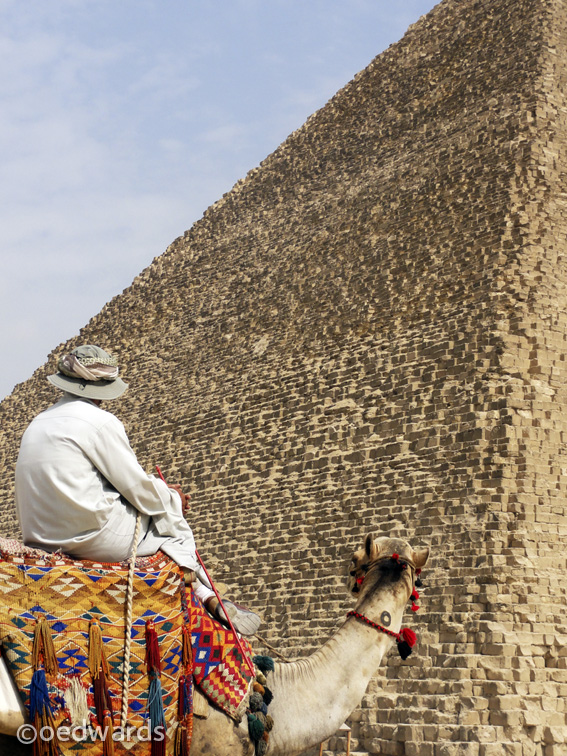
x=113 y=456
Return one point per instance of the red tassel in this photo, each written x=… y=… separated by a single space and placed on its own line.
x=395 y=557
x=153 y=661
x=414 y=597
x=101 y=697
x=181 y=698
x=406 y=641
x=408 y=635
x=158 y=743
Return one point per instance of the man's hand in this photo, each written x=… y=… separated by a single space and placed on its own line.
x=185 y=506
x=197 y=574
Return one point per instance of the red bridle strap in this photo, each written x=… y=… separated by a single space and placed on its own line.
x=375 y=625
x=405 y=639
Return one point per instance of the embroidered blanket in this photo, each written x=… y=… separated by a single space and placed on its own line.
x=218 y=667
x=68 y=597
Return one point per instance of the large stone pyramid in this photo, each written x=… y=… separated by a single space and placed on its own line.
x=368 y=333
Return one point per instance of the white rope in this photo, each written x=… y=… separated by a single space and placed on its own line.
x=128 y=638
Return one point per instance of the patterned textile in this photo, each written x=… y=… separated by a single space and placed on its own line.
x=69 y=595
x=218 y=667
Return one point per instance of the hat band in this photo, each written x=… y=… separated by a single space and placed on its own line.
x=97 y=370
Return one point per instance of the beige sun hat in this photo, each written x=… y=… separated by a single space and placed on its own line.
x=90 y=372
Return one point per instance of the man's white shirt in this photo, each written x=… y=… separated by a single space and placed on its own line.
x=74 y=474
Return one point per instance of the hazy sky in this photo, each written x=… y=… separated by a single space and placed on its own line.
x=121 y=121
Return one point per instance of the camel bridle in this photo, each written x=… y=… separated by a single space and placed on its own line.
x=406 y=638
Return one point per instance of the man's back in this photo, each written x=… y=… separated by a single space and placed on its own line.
x=61 y=496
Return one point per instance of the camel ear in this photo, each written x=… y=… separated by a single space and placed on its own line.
x=419 y=557
x=369 y=545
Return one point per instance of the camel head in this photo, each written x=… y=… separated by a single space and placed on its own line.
x=377 y=549
x=383 y=576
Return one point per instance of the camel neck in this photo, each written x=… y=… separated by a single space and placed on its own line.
x=332 y=680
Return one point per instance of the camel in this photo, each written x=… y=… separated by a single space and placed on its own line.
x=313 y=696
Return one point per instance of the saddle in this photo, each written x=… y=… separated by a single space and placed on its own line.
x=62 y=635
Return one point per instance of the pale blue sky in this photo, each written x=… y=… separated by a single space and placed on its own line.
x=121 y=121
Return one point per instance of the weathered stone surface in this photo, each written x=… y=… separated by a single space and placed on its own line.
x=369 y=333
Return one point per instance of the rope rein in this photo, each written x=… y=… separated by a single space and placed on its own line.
x=265 y=643
x=129 y=612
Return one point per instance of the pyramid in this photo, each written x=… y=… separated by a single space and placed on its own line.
x=368 y=334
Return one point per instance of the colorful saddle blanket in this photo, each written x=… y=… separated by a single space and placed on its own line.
x=65 y=598
x=218 y=666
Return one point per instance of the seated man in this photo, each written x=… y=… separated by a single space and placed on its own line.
x=79 y=486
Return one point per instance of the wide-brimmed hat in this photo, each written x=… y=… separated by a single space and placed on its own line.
x=90 y=372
